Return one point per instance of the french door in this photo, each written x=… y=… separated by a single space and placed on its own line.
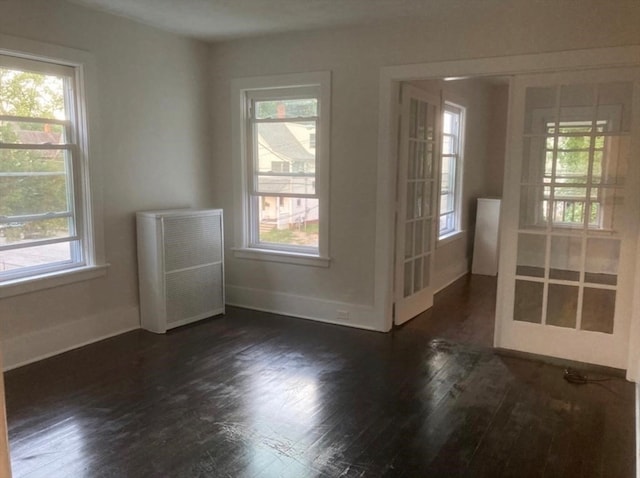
x=570 y=216
x=416 y=219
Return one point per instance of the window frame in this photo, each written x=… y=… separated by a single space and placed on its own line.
x=86 y=201
x=293 y=86
x=457 y=108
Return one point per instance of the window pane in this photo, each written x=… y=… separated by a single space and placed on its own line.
x=408 y=279
x=614 y=104
x=449 y=123
x=533 y=207
x=408 y=239
x=25 y=132
x=533 y=169
x=570 y=206
x=602 y=260
x=286 y=148
x=532 y=250
x=288 y=220
x=33 y=182
x=450 y=155
x=577 y=101
x=598 y=308
x=608 y=210
x=448 y=144
x=417 y=274
x=35 y=256
x=562 y=305
x=539 y=98
x=614 y=159
x=527 y=306
x=30 y=94
x=286 y=108
x=566 y=258
x=29 y=231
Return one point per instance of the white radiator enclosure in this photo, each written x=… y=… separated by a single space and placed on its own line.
x=180 y=266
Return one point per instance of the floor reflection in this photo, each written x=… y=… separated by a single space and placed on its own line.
x=60 y=446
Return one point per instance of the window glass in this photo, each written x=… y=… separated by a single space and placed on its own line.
x=38 y=217
x=450 y=169
x=283 y=160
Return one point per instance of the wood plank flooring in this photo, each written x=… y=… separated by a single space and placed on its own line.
x=253 y=394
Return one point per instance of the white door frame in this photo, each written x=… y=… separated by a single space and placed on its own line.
x=390 y=78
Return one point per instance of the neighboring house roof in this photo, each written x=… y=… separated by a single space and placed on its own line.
x=41 y=137
x=280 y=140
x=38 y=137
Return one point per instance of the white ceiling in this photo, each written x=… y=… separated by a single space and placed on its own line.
x=225 y=19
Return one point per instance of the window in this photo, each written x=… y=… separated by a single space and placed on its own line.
x=285 y=165
x=451 y=169
x=42 y=200
x=573 y=168
x=573 y=161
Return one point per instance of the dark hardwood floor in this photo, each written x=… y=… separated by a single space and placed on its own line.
x=253 y=394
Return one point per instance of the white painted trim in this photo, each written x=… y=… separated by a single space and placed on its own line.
x=389 y=84
x=89 y=184
x=310 y=308
x=633 y=362
x=284 y=257
x=239 y=88
x=26 y=285
x=45 y=343
x=451 y=237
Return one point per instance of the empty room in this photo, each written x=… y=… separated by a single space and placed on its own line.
x=319 y=238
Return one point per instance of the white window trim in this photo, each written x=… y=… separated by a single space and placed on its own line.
x=89 y=200
x=457 y=232
x=239 y=89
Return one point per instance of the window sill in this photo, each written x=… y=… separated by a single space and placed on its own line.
x=453 y=236
x=280 y=256
x=26 y=285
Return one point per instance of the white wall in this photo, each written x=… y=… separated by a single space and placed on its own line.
x=496 y=146
x=155 y=152
x=355 y=56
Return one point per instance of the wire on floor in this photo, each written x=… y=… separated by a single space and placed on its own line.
x=571 y=375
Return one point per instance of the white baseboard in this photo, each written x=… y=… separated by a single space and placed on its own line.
x=41 y=344
x=320 y=310
x=451 y=274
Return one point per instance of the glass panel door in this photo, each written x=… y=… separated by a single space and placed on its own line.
x=417 y=186
x=563 y=291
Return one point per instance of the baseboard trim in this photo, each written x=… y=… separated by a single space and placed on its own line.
x=42 y=344
x=308 y=308
x=460 y=275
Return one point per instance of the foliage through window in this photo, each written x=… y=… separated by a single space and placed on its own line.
x=573 y=162
x=40 y=227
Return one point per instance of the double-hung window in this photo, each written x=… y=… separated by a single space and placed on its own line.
x=285 y=131
x=451 y=169
x=41 y=190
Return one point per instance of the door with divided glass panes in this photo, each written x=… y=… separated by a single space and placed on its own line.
x=570 y=216
x=416 y=211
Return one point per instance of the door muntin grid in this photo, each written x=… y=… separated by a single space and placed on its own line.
x=576 y=152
